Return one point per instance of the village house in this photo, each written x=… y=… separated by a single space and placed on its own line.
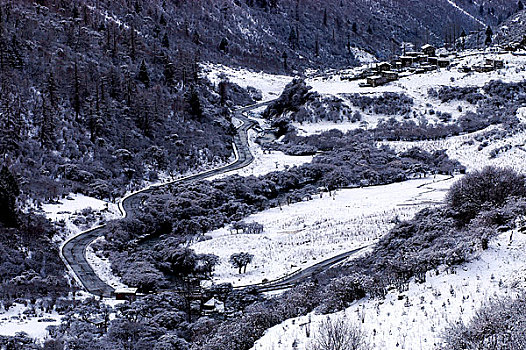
x=414 y=53
x=213 y=306
x=428 y=67
x=495 y=63
x=383 y=66
x=512 y=47
x=443 y=62
x=484 y=68
x=100 y=324
x=390 y=75
x=407 y=61
x=429 y=50
x=433 y=60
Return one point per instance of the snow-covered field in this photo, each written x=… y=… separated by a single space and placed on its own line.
x=416 y=319
x=265 y=163
x=69 y=209
x=301 y=234
x=270 y=85
x=72 y=204
x=14 y=320
x=466 y=150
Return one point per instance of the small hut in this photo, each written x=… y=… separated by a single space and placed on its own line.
x=495 y=63
x=213 y=306
x=129 y=294
x=443 y=62
x=376 y=80
x=383 y=66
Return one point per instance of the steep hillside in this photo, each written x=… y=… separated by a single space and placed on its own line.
x=101 y=94
x=513 y=29
x=90 y=104
x=292 y=34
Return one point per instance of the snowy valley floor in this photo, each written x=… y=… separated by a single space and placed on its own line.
x=297 y=235
x=301 y=234
x=14 y=320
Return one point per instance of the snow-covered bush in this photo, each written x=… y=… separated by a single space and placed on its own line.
x=295 y=95
x=339 y=333
x=484 y=189
x=498 y=325
x=390 y=103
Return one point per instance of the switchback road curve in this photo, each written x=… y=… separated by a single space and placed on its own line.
x=73 y=251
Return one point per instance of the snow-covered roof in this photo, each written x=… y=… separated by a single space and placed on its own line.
x=211 y=302
x=427 y=46
x=126 y=291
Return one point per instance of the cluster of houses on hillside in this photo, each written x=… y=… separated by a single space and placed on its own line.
x=417 y=62
x=490 y=64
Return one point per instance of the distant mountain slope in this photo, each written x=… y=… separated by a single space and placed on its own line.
x=281 y=34
x=292 y=34
x=91 y=102
x=513 y=29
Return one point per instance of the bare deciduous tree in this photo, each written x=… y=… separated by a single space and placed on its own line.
x=339 y=333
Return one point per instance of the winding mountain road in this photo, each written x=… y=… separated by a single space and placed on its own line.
x=73 y=251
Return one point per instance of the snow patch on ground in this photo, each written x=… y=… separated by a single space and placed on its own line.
x=68 y=209
x=467 y=13
x=299 y=235
x=465 y=149
x=271 y=85
x=363 y=56
x=14 y=321
x=305 y=129
x=416 y=319
x=265 y=163
x=74 y=203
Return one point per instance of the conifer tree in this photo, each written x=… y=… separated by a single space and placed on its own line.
x=46 y=131
x=165 y=41
x=194 y=103
x=76 y=92
x=9 y=190
x=143 y=75
x=489 y=34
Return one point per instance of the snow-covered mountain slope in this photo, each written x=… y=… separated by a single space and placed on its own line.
x=417 y=318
